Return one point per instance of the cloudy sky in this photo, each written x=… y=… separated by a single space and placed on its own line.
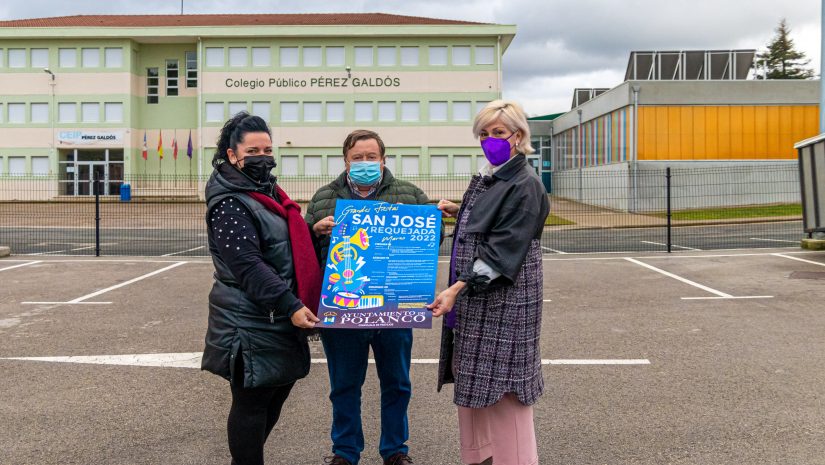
x=560 y=44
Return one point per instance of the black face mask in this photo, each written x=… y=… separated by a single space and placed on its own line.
x=258 y=167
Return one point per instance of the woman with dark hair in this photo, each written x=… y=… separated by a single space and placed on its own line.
x=267 y=285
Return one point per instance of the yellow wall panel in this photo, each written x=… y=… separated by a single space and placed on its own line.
x=724 y=132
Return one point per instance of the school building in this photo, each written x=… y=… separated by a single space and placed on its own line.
x=682 y=109
x=133 y=98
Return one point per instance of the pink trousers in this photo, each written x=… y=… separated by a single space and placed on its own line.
x=503 y=431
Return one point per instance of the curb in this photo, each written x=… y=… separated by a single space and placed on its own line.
x=813 y=244
x=4 y=252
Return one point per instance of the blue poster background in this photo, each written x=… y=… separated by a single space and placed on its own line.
x=381 y=266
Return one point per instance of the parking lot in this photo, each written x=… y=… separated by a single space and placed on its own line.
x=697 y=357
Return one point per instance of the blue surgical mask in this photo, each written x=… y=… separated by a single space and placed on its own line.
x=365 y=173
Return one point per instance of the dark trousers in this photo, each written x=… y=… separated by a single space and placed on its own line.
x=347 y=352
x=253 y=414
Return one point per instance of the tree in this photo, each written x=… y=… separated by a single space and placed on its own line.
x=781 y=60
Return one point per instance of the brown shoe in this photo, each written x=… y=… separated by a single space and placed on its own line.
x=336 y=460
x=398 y=458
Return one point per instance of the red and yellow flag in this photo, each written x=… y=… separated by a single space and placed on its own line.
x=160 y=144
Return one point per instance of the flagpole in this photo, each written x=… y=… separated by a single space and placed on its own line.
x=175 y=153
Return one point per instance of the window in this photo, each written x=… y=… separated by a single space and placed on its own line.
x=363 y=56
x=480 y=106
x=389 y=162
x=312 y=111
x=335 y=111
x=17 y=112
x=90 y=112
x=40 y=57
x=409 y=56
x=438 y=165
x=363 y=111
x=113 y=112
x=335 y=164
x=261 y=56
x=409 y=165
x=312 y=56
x=40 y=166
x=462 y=164
x=91 y=57
x=481 y=160
x=262 y=109
x=386 y=111
x=152 y=85
x=438 y=56
x=191 y=69
x=289 y=57
x=335 y=56
x=214 y=57
x=172 y=78
x=40 y=112
x=410 y=111
x=236 y=107
x=1 y=120
x=312 y=166
x=289 y=165
x=485 y=55
x=289 y=112
x=461 y=111
x=1 y=65
x=17 y=166
x=113 y=57
x=461 y=55
x=67 y=112
x=237 y=57
x=67 y=58
x=386 y=56
x=17 y=58
x=214 y=111
x=438 y=111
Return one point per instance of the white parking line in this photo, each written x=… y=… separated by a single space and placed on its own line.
x=672 y=245
x=21 y=265
x=80 y=300
x=62 y=251
x=772 y=240
x=554 y=250
x=798 y=259
x=193 y=360
x=182 y=251
x=719 y=294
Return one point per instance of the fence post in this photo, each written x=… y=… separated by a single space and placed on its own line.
x=669 y=213
x=96 y=187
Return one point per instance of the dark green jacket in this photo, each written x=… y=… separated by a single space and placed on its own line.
x=274 y=351
x=390 y=190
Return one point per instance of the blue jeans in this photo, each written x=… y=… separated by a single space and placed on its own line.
x=347 y=352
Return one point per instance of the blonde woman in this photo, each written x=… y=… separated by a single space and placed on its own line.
x=490 y=336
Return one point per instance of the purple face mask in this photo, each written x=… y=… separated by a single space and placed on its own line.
x=497 y=151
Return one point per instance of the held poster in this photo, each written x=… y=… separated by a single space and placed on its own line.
x=381 y=266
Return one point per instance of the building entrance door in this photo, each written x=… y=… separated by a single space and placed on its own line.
x=535 y=162
x=87 y=172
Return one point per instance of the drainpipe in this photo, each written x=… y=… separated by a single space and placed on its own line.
x=634 y=152
x=580 y=153
x=821 y=79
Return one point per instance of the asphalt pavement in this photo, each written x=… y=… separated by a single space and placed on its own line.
x=691 y=358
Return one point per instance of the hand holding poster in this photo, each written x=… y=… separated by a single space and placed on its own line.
x=381 y=266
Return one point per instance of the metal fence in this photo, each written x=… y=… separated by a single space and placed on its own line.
x=618 y=210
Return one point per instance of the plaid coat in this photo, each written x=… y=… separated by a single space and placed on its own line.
x=494 y=347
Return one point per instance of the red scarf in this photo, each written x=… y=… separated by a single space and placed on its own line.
x=307 y=272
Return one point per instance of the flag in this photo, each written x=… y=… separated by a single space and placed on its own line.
x=189 y=146
x=145 y=148
x=160 y=144
x=175 y=146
